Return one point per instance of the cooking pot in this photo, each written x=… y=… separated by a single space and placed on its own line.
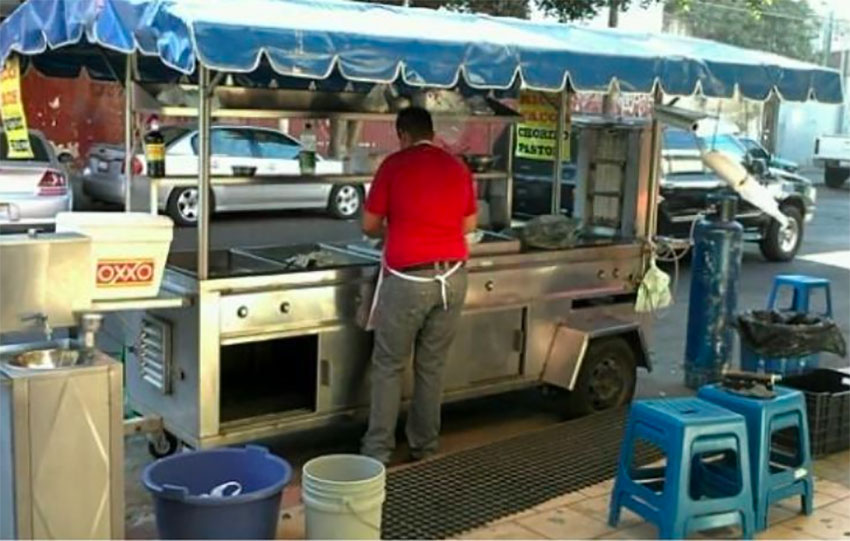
x=480 y=163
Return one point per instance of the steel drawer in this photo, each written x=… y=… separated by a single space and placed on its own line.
x=276 y=310
x=521 y=285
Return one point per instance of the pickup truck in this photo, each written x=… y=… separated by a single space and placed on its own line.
x=833 y=151
x=685 y=185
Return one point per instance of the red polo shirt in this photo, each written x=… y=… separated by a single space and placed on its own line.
x=424 y=193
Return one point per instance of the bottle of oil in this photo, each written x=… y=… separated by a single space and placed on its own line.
x=307 y=156
x=155 y=150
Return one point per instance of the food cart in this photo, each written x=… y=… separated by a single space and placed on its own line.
x=252 y=342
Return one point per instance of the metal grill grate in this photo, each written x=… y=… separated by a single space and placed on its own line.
x=446 y=496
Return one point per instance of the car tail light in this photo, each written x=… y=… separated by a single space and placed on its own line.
x=53 y=183
x=136 y=166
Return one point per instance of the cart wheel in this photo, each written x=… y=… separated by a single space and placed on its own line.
x=162 y=444
x=606 y=380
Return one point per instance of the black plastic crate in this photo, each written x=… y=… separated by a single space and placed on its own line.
x=827 y=395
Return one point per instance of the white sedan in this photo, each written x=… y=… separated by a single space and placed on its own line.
x=270 y=154
x=32 y=190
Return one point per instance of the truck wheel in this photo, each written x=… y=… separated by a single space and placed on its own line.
x=835 y=176
x=345 y=202
x=779 y=243
x=162 y=444
x=606 y=379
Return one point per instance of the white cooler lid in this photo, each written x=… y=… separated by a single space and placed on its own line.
x=117 y=226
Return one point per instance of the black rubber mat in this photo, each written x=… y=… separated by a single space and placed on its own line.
x=446 y=496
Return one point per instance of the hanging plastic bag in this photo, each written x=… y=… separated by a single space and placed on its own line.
x=654 y=291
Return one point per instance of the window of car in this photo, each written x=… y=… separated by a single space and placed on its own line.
x=228 y=142
x=275 y=146
x=39 y=150
x=725 y=143
x=755 y=149
x=675 y=139
x=171 y=134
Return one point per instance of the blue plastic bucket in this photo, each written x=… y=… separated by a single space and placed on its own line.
x=181 y=487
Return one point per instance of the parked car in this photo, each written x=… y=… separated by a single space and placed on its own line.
x=833 y=151
x=757 y=151
x=270 y=153
x=32 y=191
x=686 y=182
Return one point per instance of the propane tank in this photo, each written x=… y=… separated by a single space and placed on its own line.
x=155 y=150
x=715 y=273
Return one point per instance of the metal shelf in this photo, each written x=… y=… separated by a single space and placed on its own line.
x=165 y=299
x=299 y=179
x=167 y=111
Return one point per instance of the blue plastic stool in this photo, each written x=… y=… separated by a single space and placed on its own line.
x=776 y=475
x=686 y=494
x=803 y=287
x=785 y=366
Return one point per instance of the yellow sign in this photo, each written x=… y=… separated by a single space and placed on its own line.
x=12 y=111
x=536 y=134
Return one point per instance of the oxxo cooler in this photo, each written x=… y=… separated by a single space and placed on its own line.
x=129 y=250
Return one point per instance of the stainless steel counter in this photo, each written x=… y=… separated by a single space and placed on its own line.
x=265 y=349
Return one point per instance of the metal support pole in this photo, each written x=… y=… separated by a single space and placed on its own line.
x=563 y=106
x=129 y=129
x=509 y=168
x=204 y=114
x=654 y=169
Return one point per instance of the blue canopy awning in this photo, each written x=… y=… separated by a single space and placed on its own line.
x=370 y=43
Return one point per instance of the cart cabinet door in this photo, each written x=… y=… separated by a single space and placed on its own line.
x=488 y=346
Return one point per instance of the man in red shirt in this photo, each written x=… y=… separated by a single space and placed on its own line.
x=422 y=203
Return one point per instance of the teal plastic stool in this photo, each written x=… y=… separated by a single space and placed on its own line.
x=777 y=473
x=802 y=287
x=706 y=480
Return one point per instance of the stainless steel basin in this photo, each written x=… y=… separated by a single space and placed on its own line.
x=46 y=359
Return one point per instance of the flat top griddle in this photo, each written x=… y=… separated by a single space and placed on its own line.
x=237 y=262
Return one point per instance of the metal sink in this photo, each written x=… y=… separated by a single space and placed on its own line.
x=44 y=355
x=46 y=359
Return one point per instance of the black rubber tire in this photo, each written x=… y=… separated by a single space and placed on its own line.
x=170 y=445
x=771 y=244
x=334 y=207
x=171 y=208
x=609 y=358
x=835 y=177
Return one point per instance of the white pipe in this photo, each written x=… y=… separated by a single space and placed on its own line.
x=742 y=182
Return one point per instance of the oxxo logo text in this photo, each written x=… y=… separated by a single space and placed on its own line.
x=124 y=272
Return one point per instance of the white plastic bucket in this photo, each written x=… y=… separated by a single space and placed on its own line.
x=343 y=496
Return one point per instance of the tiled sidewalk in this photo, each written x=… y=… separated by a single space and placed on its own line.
x=584 y=514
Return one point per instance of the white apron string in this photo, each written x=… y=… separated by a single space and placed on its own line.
x=442 y=279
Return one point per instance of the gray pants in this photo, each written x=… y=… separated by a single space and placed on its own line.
x=410 y=319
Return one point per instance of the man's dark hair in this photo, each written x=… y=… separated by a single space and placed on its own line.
x=415 y=122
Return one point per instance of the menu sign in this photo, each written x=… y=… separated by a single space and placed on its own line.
x=12 y=111
x=537 y=133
